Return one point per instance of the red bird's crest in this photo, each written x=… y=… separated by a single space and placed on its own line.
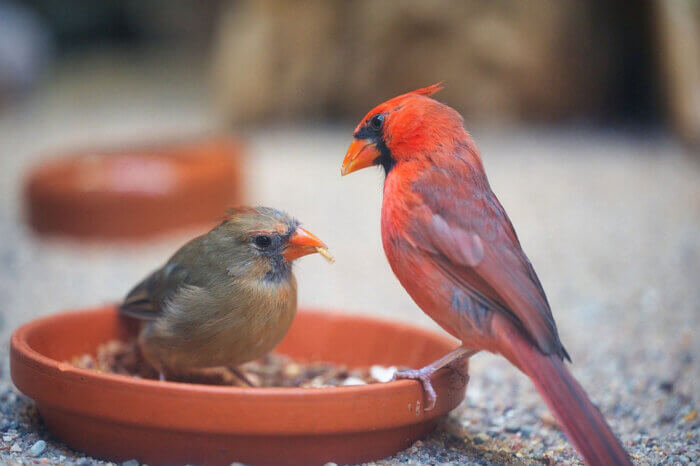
x=429 y=90
x=396 y=102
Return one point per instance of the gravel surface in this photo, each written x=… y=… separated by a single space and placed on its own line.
x=611 y=224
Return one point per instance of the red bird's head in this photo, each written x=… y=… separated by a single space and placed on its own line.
x=407 y=127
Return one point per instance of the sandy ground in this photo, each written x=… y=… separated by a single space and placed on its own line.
x=610 y=221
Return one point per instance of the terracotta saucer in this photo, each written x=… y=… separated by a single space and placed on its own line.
x=118 y=417
x=135 y=192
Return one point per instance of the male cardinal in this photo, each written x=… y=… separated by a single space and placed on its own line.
x=454 y=250
x=226 y=297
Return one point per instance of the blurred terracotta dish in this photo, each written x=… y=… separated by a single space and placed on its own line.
x=137 y=191
x=119 y=417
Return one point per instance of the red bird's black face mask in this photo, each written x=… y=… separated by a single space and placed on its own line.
x=372 y=135
x=369 y=147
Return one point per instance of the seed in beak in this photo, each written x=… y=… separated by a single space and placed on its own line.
x=326 y=254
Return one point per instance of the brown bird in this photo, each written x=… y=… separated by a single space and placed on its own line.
x=455 y=251
x=224 y=298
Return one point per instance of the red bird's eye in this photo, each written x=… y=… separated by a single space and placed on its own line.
x=376 y=122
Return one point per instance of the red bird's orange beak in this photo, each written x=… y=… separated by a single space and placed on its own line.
x=302 y=243
x=361 y=154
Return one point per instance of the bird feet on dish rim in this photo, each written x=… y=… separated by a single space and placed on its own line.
x=423 y=375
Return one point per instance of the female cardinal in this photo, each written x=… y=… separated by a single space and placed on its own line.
x=453 y=248
x=225 y=298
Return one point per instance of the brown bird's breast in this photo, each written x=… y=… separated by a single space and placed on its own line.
x=212 y=328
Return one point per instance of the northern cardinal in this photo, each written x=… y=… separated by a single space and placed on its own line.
x=226 y=297
x=453 y=248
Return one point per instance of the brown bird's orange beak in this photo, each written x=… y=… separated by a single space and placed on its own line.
x=301 y=243
x=361 y=154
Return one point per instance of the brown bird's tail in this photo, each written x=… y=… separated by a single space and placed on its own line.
x=582 y=422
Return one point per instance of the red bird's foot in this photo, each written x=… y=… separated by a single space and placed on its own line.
x=423 y=376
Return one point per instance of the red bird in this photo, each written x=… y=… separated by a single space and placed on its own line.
x=454 y=249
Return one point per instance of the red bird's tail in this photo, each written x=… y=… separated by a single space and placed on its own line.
x=580 y=419
x=582 y=422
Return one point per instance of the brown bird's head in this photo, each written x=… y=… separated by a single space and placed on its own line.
x=263 y=241
x=406 y=127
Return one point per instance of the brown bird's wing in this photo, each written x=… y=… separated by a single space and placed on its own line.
x=147 y=299
x=466 y=232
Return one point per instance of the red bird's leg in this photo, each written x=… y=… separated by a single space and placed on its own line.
x=424 y=374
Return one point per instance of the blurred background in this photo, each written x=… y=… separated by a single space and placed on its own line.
x=587 y=115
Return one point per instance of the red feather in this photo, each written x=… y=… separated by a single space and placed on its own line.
x=429 y=90
x=453 y=248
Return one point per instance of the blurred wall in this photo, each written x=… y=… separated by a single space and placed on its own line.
x=601 y=62
x=501 y=60
x=678 y=51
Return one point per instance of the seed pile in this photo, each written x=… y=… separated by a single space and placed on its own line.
x=274 y=370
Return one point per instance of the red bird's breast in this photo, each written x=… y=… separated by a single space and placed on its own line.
x=454 y=250
x=422 y=280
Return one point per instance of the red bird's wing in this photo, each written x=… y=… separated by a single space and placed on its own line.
x=463 y=228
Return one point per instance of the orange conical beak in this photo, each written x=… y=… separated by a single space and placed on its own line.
x=361 y=154
x=301 y=243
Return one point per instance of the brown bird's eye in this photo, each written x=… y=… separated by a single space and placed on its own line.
x=262 y=241
x=377 y=121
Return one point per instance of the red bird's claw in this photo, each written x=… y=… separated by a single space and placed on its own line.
x=424 y=378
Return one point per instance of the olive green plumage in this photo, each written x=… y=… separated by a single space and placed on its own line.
x=225 y=298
